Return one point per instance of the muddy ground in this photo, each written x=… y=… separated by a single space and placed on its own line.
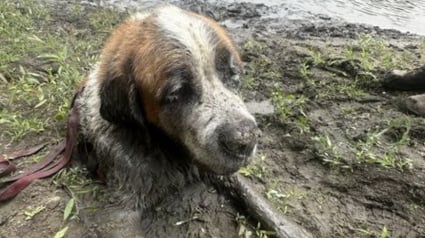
x=340 y=156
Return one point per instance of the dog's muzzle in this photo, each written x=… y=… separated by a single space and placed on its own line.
x=238 y=139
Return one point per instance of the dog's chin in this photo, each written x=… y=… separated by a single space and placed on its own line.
x=222 y=163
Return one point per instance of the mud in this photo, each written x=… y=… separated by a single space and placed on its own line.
x=311 y=163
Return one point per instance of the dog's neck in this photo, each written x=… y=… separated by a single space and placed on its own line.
x=170 y=148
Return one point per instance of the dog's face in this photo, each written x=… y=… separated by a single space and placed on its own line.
x=179 y=72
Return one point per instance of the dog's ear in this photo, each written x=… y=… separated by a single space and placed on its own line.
x=120 y=101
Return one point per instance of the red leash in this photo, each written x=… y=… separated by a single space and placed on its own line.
x=6 y=166
x=45 y=168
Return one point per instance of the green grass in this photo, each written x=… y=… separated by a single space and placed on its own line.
x=368 y=232
x=281 y=198
x=375 y=53
x=245 y=229
x=78 y=183
x=260 y=67
x=351 y=73
x=43 y=56
x=328 y=150
x=355 y=70
x=257 y=168
x=290 y=108
x=31 y=212
x=376 y=148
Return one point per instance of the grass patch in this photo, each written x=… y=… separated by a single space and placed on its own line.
x=281 y=199
x=368 y=232
x=17 y=125
x=78 y=183
x=30 y=213
x=327 y=150
x=290 y=109
x=43 y=56
x=257 y=169
x=288 y=105
x=260 y=67
x=354 y=70
x=374 y=53
x=376 y=147
x=245 y=229
x=376 y=150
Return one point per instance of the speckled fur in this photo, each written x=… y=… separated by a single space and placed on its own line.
x=143 y=150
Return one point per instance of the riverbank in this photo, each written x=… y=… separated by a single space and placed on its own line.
x=339 y=155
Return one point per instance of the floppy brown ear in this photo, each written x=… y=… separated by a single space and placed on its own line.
x=120 y=101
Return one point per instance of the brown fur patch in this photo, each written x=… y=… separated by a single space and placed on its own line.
x=136 y=49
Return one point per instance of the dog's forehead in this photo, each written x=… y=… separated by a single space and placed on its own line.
x=199 y=35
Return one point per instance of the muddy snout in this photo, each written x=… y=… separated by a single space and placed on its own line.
x=238 y=139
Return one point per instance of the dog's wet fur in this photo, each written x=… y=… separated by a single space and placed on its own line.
x=161 y=109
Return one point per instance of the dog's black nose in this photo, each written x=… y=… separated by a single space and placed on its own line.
x=239 y=139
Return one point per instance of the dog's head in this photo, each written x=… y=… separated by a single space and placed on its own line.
x=179 y=71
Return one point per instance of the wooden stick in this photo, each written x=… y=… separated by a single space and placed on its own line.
x=261 y=209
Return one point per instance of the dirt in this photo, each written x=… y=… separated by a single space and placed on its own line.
x=327 y=187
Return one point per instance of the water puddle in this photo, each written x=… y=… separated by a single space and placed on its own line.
x=405 y=16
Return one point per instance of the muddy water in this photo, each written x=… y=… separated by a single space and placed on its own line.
x=406 y=16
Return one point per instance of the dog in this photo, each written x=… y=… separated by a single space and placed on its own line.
x=160 y=109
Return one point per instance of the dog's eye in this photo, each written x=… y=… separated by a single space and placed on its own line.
x=172 y=96
x=178 y=88
x=175 y=93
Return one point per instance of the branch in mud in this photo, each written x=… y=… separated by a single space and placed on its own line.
x=260 y=208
